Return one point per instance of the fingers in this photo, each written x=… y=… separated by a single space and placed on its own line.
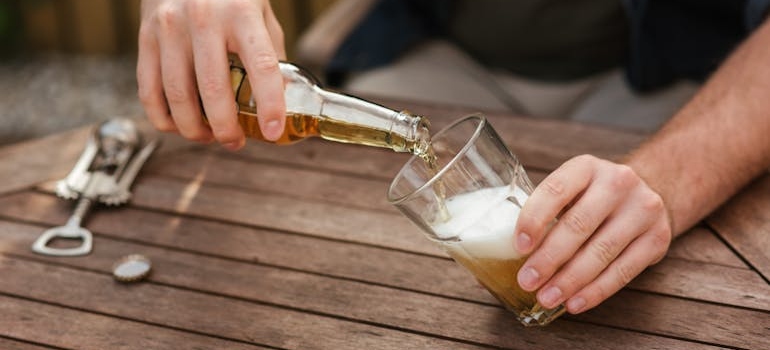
x=255 y=49
x=275 y=31
x=601 y=239
x=182 y=66
x=213 y=79
x=651 y=246
x=604 y=247
x=150 y=85
x=177 y=73
x=575 y=226
x=553 y=194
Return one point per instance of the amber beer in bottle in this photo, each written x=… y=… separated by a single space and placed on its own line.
x=312 y=111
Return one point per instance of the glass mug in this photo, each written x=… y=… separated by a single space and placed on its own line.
x=466 y=196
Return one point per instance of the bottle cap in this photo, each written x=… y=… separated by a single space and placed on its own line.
x=131 y=268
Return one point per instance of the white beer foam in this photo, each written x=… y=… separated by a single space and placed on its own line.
x=484 y=221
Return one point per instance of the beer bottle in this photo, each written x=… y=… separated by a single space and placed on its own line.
x=312 y=111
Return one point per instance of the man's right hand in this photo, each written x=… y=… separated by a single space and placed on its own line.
x=183 y=48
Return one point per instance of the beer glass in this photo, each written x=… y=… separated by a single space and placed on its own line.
x=466 y=194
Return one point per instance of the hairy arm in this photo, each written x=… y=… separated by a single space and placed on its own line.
x=617 y=219
x=718 y=142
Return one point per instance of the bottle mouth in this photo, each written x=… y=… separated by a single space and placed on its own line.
x=422 y=136
x=420 y=133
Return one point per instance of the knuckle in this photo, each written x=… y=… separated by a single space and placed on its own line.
x=528 y=223
x=146 y=95
x=652 y=203
x=168 y=17
x=569 y=281
x=604 y=250
x=212 y=88
x=265 y=62
x=199 y=13
x=145 y=34
x=624 y=177
x=577 y=222
x=661 y=240
x=553 y=186
x=242 y=6
x=163 y=124
x=625 y=274
x=226 y=135
x=550 y=259
x=585 y=158
x=176 y=93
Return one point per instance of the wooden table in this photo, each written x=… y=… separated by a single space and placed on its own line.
x=297 y=248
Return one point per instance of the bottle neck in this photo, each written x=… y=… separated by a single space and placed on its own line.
x=403 y=131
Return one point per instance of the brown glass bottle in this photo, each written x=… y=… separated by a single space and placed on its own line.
x=312 y=111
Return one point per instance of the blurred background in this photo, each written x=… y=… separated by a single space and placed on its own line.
x=65 y=63
x=107 y=27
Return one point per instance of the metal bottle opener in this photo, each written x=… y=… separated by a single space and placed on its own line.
x=103 y=174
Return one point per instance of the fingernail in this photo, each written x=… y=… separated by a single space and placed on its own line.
x=576 y=305
x=528 y=278
x=550 y=297
x=523 y=243
x=273 y=129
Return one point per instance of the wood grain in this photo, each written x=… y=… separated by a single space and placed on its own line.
x=696 y=278
x=67 y=328
x=744 y=222
x=701 y=244
x=200 y=313
x=317 y=294
x=49 y=158
x=295 y=247
x=10 y=344
x=714 y=324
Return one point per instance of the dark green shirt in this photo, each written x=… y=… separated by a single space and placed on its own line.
x=543 y=39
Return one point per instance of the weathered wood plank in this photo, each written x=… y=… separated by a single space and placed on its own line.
x=697 y=245
x=715 y=283
x=317 y=294
x=50 y=158
x=26 y=164
x=437 y=275
x=201 y=313
x=66 y=328
x=376 y=163
x=10 y=344
x=692 y=279
x=284 y=178
x=275 y=211
x=744 y=222
x=700 y=244
x=316 y=184
x=682 y=318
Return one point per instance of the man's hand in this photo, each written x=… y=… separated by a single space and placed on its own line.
x=183 y=48
x=610 y=226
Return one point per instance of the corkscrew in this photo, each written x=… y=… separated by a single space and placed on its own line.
x=103 y=174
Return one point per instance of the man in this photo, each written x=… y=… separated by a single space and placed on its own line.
x=616 y=219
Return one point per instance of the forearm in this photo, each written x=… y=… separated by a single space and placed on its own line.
x=718 y=142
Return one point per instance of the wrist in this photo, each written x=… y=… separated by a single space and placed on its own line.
x=645 y=174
